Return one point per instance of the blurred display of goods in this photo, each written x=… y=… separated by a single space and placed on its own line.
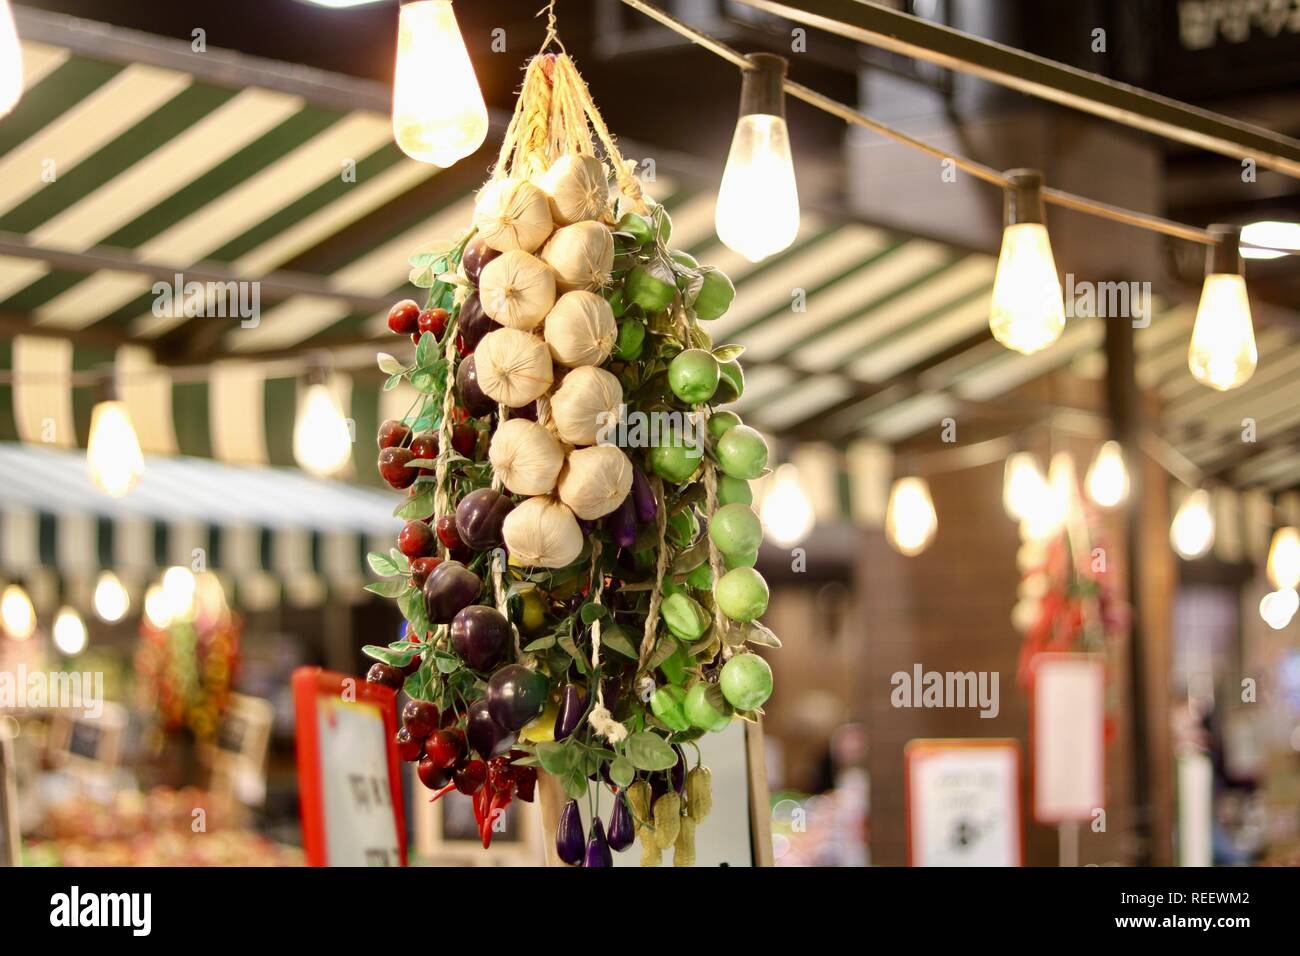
x=164 y=827
x=185 y=671
x=827 y=829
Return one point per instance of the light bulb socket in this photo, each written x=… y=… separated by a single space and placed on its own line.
x=762 y=86
x=1224 y=254
x=1023 y=197
x=106 y=389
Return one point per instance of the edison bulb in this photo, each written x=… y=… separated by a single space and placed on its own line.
x=786 y=511
x=11 y=61
x=157 y=608
x=69 y=632
x=439 y=115
x=1192 y=530
x=113 y=454
x=322 y=441
x=1223 y=354
x=910 y=518
x=1107 y=477
x=1024 y=488
x=178 y=587
x=1279 y=607
x=1284 y=558
x=1063 y=486
x=1027 y=313
x=758 y=201
x=17 y=613
x=111 y=600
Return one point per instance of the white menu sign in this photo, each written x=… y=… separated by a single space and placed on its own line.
x=963 y=802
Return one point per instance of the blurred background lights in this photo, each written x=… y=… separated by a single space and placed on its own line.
x=786 y=511
x=111 y=600
x=17 y=613
x=69 y=632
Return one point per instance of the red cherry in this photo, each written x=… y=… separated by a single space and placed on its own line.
x=412 y=665
x=393 y=433
x=500 y=774
x=392 y=467
x=421 y=568
x=471 y=776
x=385 y=674
x=464 y=438
x=424 y=447
x=404 y=317
x=431 y=774
x=420 y=717
x=416 y=539
x=447 y=533
x=444 y=747
x=409 y=747
x=433 y=320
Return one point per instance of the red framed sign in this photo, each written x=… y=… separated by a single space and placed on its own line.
x=1067 y=737
x=349 y=775
x=962 y=800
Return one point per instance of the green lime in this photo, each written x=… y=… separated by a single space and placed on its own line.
x=669 y=705
x=722 y=422
x=746 y=681
x=693 y=376
x=683 y=258
x=734 y=491
x=707 y=707
x=651 y=286
x=701 y=577
x=636 y=226
x=665 y=224
x=742 y=452
x=741 y=594
x=617 y=304
x=715 y=294
x=675 y=461
x=746 y=560
x=735 y=529
x=731 y=383
x=631 y=337
x=674 y=667
x=684 y=617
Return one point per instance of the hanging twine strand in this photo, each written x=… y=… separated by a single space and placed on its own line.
x=661 y=568
x=600 y=719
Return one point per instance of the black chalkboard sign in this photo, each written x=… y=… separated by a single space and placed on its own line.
x=84 y=740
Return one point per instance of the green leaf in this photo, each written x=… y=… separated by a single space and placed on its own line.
x=388 y=589
x=756 y=633
x=393 y=381
x=422 y=463
x=426 y=352
x=411 y=605
x=388 y=655
x=448 y=663
x=541 y=644
x=381 y=564
x=663 y=650
x=622 y=772
x=413 y=509
x=592 y=612
x=420 y=685
x=728 y=353
x=556 y=758
x=389 y=365
x=615 y=639
x=525 y=762
x=648 y=751
x=575 y=784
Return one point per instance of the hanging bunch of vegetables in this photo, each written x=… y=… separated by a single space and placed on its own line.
x=186 y=671
x=576 y=566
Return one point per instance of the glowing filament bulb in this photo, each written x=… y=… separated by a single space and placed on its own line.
x=1192 y=530
x=1027 y=311
x=786 y=511
x=111 y=600
x=910 y=518
x=1284 y=558
x=1024 y=488
x=322 y=440
x=113 y=455
x=69 y=632
x=17 y=613
x=1107 y=477
x=1222 y=353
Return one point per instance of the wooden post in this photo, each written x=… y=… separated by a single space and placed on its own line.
x=551 y=799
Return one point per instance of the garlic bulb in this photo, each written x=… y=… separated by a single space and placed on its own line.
x=542 y=532
x=585 y=405
x=517 y=290
x=595 y=481
x=580 y=330
x=525 y=456
x=513 y=367
x=577 y=188
x=512 y=214
x=582 y=255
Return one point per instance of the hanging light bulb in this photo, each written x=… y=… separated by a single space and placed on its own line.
x=1027 y=312
x=322 y=441
x=758 y=201
x=1279 y=607
x=1222 y=354
x=17 y=613
x=1284 y=558
x=111 y=600
x=1192 y=530
x=1024 y=488
x=910 y=519
x=1063 y=486
x=69 y=632
x=11 y=61
x=178 y=587
x=786 y=511
x=438 y=111
x=113 y=453
x=1107 y=477
x=157 y=608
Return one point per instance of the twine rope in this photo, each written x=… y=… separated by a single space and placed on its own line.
x=661 y=568
x=600 y=719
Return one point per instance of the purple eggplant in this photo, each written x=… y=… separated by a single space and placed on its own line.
x=621 y=829
x=485 y=735
x=587 y=526
x=621 y=523
x=677 y=776
x=568 y=835
x=573 y=704
x=658 y=786
x=646 y=506
x=597 y=847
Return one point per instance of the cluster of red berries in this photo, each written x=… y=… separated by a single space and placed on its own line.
x=407 y=318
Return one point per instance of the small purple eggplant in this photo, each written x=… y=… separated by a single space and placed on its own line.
x=678 y=773
x=568 y=835
x=573 y=704
x=621 y=523
x=644 y=497
x=597 y=847
x=621 y=830
x=587 y=526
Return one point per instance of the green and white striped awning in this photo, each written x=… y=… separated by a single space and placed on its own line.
x=130 y=158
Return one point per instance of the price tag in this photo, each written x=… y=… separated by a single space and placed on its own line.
x=1067 y=737
x=349 y=775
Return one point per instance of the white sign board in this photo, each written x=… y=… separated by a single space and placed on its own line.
x=1068 y=737
x=360 y=825
x=1195 y=775
x=963 y=802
